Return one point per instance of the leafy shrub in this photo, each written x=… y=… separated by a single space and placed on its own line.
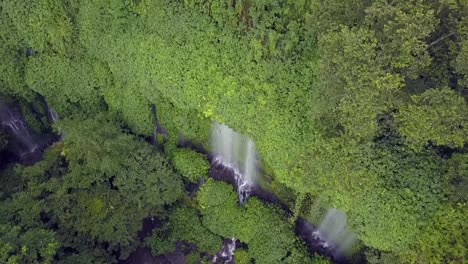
x=190 y=164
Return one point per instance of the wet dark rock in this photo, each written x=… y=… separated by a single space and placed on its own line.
x=220 y=172
x=143 y=256
x=149 y=224
x=316 y=243
x=226 y=254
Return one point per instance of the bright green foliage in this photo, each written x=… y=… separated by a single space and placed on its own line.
x=341 y=98
x=270 y=240
x=336 y=173
x=11 y=77
x=242 y=256
x=191 y=164
x=444 y=240
x=95 y=148
x=70 y=85
x=439 y=116
x=31 y=246
x=174 y=57
x=363 y=69
x=186 y=225
x=42 y=24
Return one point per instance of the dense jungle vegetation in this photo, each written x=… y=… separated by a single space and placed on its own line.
x=353 y=104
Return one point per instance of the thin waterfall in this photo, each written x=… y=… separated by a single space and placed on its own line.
x=333 y=232
x=226 y=254
x=24 y=144
x=237 y=153
x=13 y=122
x=51 y=113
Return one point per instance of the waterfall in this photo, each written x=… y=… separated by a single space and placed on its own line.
x=226 y=254
x=51 y=113
x=333 y=232
x=13 y=122
x=237 y=153
x=23 y=144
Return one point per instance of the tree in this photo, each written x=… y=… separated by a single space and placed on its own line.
x=184 y=225
x=438 y=116
x=90 y=194
x=443 y=239
x=31 y=246
x=355 y=87
x=106 y=185
x=41 y=24
x=69 y=85
x=270 y=240
x=461 y=63
x=191 y=164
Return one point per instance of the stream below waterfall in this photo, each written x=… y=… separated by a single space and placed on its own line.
x=26 y=147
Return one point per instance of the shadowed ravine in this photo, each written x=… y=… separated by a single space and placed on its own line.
x=234 y=160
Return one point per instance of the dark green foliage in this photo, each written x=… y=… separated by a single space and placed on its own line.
x=31 y=246
x=274 y=29
x=3 y=141
x=458 y=176
x=101 y=196
x=185 y=225
x=376 y=257
x=190 y=164
x=135 y=182
x=461 y=63
x=352 y=103
x=436 y=116
x=270 y=240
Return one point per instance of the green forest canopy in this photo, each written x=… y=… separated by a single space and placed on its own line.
x=361 y=105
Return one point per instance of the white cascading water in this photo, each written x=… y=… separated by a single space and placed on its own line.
x=226 y=254
x=334 y=232
x=53 y=116
x=236 y=152
x=12 y=121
